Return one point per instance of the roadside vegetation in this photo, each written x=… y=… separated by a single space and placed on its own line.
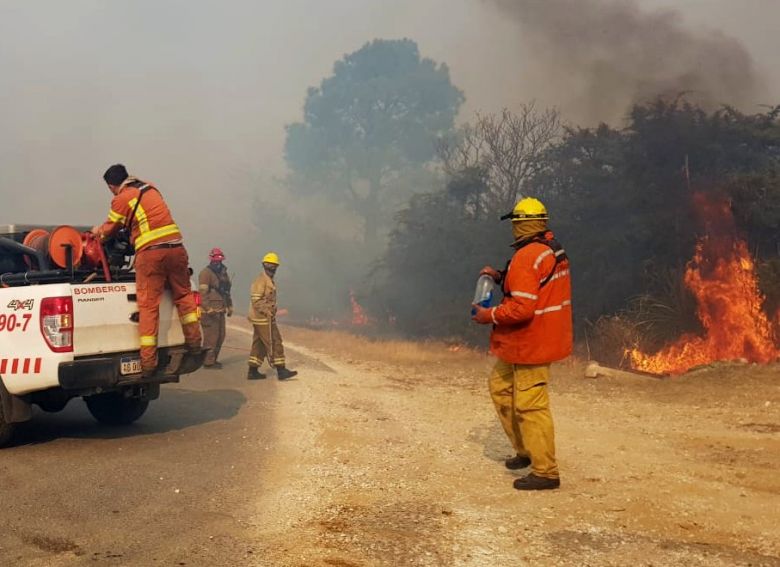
x=399 y=206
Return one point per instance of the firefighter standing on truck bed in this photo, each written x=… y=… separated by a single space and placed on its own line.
x=266 y=342
x=532 y=327
x=160 y=259
x=216 y=303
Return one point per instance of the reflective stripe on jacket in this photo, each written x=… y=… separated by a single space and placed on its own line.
x=153 y=222
x=262 y=300
x=533 y=323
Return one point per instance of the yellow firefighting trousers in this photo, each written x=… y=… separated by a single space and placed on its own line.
x=266 y=343
x=519 y=393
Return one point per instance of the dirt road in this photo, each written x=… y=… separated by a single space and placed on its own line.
x=390 y=454
x=176 y=488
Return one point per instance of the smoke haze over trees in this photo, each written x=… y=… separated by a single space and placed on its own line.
x=620 y=200
x=375 y=120
x=198 y=102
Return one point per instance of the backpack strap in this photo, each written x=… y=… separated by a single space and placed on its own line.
x=558 y=253
x=142 y=189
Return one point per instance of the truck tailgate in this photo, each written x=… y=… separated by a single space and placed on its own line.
x=103 y=317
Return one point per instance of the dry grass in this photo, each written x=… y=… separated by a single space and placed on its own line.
x=441 y=362
x=389 y=351
x=609 y=337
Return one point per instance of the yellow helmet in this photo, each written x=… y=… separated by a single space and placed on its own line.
x=527 y=209
x=271 y=258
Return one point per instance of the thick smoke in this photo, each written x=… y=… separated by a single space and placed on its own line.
x=196 y=101
x=599 y=56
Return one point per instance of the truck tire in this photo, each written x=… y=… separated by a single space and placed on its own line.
x=6 y=429
x=113 y=408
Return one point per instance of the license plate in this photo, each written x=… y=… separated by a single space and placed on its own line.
x=130 y=365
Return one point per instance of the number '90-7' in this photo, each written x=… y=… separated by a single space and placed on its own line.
x=12 y=322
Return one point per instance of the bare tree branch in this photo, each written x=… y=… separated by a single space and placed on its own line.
x=508 y=147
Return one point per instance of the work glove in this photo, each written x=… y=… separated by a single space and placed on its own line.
x=482 y=315
x=492 y=272
x=229 y=311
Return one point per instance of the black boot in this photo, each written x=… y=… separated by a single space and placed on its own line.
x=533 y=482
x=214 y=365
x=254 y=374
x=517 y=462
x=283 y=374
x=193 y=348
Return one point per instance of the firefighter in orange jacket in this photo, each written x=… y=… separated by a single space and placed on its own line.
x=532 y=327
x=160 y=259
x=214 y=287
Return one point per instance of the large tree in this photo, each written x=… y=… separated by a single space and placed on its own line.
x=375 y=119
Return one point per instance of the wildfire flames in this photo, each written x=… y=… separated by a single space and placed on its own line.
x=359 y=317
x=723 y=280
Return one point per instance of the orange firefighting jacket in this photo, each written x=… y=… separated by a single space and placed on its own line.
x=533 y=323
x=153 y=223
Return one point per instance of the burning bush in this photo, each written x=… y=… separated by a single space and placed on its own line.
x=722 y=278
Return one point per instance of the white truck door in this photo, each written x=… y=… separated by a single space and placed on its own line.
x=105 y=316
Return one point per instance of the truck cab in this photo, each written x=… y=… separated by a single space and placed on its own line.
x=70 y=331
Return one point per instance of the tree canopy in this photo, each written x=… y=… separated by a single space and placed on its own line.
x=376 y=117
x=620 y=201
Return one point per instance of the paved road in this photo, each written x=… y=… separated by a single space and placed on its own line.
x=176 y=488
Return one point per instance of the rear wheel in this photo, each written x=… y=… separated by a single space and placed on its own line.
x=113 y=408
x=6 y=429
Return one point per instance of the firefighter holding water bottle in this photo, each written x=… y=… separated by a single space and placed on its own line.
x=532 y=327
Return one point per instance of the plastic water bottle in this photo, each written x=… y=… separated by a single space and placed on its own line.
x=483 y=294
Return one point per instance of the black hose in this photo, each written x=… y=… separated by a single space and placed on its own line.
x=8 y=244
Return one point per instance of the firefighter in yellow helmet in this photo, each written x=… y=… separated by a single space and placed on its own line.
x=532 y=327
x=266 y=342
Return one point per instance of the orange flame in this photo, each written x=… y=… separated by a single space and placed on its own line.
x=723 y=280
x=359 y=317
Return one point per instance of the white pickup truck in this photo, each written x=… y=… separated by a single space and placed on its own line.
x=72 y=332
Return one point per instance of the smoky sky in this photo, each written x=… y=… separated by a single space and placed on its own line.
x=194 y=96
x=608 y=54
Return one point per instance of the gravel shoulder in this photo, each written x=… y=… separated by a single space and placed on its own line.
x=383 y=461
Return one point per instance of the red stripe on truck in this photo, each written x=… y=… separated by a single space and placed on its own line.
x=20 y=365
